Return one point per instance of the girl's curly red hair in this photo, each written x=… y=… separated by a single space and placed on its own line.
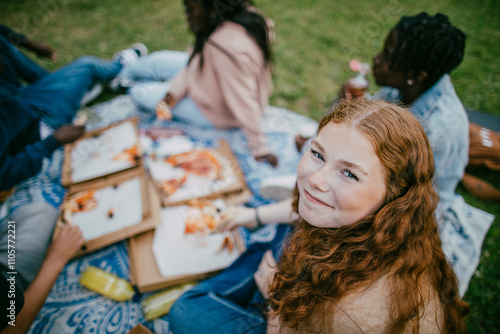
x=320 y=266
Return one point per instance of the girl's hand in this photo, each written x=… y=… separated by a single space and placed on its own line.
x=269 y=158
x=236 y=216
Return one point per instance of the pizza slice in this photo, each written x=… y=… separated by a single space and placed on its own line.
x=130 y=155
x=198 y=162
x=168 y=187
x=80 y=202
x=163 y=111
x=202 y=217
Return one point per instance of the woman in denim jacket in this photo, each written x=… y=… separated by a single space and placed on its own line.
x=414 y=66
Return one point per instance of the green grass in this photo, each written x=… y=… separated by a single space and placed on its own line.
x=315 y=39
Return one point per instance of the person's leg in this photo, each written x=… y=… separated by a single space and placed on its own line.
x=157 y=66
x=33 y=227
x=57 y=96
x=147 y=94
x=229 y=302
x=187 y=111
x=14 y=61
x=219 y=304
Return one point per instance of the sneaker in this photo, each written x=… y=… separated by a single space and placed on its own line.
x=120 y=84
x=140 y=49
x=279 y=188
x=91 y=94
x=131 y=55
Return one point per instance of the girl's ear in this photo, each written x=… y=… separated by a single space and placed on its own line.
x=420 y=78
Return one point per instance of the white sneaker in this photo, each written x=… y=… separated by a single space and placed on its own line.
x=120 y=84
x=279 y=188
x=91 y=94
x=131 y=55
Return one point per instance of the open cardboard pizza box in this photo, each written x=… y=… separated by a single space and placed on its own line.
x=144 y=270
x=111 y=208
x=204 y=173
x=106 y=151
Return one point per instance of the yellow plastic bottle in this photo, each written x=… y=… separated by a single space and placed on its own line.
x=159 y=304
x=107 y=284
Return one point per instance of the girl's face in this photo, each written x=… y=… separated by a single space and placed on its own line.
x=340 y=180
x=383 y=74
x=197 y=16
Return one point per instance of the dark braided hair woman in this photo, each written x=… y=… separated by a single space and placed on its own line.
x=414 y=66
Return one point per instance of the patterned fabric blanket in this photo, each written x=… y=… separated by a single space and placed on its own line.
x=71 y=308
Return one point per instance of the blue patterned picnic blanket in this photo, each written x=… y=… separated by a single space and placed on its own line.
x=71 y=308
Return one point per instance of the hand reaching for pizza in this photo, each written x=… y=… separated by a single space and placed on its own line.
x=269 y=158
x=236 y=216
x=265 y=274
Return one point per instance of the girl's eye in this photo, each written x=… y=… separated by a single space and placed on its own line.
x=317 y=155
x=349 y=174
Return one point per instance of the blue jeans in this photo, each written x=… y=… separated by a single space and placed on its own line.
x=229 y=302
x=55 y=97
x=151 y=75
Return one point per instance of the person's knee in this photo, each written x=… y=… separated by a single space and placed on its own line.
x=186 y=310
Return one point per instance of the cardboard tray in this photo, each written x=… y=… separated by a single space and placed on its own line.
x=144 y=272
x=66 y=179
x=238 y=188
x=149 y=198
x=140 y=329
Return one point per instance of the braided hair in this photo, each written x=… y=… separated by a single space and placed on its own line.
x=428 y=43
x=239 y=13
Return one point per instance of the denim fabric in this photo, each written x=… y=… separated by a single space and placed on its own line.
x=229 y=302
x=55 y=97
x=16 y=66
x=445 y=122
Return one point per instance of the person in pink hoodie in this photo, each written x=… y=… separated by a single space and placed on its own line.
x=224 y=81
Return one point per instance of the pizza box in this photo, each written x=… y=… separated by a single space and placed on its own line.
x=144 y=271
x=140 y=329
x=137 y=189
x=236 y=187
x=97 y=153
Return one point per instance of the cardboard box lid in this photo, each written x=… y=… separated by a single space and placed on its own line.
x=66 y=178
x=144 y=272
x=150 y=203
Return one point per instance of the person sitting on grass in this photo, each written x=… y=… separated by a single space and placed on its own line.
x=224 y=82
x=364 y=254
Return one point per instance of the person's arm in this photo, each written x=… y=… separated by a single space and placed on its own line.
x=62 y=249
x=237 y=79
x=18 y=39
x=280 y=212
x=178 y=88
x=22 y=151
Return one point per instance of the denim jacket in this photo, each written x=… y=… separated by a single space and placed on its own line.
x=445 y=122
